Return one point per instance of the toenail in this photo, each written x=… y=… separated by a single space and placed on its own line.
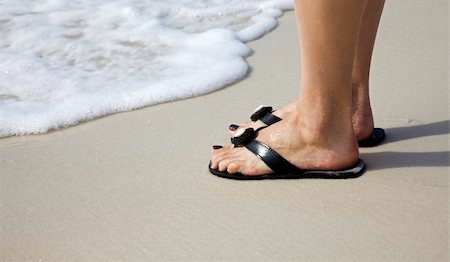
x=217 y=147
x=233 y=127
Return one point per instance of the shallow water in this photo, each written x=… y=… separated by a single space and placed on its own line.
x=62 y=62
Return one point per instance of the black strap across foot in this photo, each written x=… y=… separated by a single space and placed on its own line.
x=264 y=114
x=277 y=163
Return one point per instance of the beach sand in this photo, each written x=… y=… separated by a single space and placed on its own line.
x=135 y=186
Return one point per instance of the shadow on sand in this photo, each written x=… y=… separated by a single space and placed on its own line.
x=389 y=159
x=408 y=132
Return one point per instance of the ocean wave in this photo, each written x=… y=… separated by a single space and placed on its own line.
x=63 y=62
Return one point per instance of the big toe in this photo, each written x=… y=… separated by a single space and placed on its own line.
x=233 y=128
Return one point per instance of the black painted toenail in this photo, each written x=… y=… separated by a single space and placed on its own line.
x=233 y=127
x=217 y=147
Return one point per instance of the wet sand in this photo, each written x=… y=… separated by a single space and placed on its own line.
x=135 y=186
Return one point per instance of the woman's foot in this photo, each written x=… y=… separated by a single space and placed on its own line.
x=304 y=143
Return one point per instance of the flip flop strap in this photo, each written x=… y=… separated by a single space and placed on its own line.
x=277 y=163
x=270 y=119
x=264 y=114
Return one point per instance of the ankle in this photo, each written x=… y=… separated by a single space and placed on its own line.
x=337 y=146
x=320 y=131
x=362 y=118
x=362 y=125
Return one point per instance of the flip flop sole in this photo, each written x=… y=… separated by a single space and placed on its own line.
x=353 y=172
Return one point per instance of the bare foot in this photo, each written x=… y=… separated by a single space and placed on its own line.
x=296 y=140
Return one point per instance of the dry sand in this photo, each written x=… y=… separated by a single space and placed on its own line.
x=135 y=186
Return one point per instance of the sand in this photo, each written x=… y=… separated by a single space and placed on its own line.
x=134 y=186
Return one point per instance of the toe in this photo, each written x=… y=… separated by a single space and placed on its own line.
x=233 y=127
x=233 y=167
x=220 y=157
x=223 y=164
x=216 y=156
x=237 y=160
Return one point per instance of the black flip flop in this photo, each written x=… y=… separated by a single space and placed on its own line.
x=375 y=139
x=281 y=168
x=264 y=114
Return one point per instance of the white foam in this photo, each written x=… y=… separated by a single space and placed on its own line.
x=62 y=62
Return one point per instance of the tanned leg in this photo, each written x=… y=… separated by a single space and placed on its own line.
x=362 y=112
x=318 y=133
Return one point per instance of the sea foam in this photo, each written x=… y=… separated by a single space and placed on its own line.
x=62 y=62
